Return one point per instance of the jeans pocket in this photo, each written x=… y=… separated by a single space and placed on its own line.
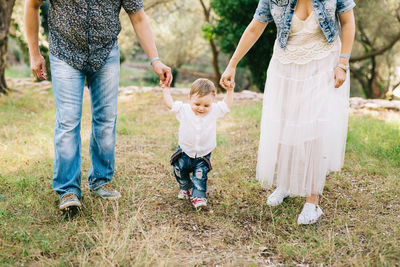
x=176 y=156
x=208 y=163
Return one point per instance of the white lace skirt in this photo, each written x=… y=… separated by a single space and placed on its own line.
x=303 y=125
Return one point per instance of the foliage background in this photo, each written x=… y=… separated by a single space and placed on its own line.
x=182 y=35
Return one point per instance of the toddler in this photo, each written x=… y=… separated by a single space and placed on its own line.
x=197 y=137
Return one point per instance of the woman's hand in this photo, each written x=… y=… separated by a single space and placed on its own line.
x=340 y=76
x=227 y=80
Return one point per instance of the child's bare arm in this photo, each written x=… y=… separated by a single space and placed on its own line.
x=167 y=97
x=228 y=99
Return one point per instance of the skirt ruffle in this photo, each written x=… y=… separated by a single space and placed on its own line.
x=303 y=125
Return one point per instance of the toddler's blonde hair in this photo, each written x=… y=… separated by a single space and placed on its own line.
x=202 y=87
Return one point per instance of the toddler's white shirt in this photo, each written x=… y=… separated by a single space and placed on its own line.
x=198 y=134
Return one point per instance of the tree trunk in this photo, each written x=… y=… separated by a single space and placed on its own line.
x=214 y=50
x=6 y=7
x=217 y=72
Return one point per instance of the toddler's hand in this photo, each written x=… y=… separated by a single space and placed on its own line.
x=231 y=87
x=227 y=80
x=163 y=86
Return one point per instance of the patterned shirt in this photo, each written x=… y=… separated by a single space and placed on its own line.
x=83 y=32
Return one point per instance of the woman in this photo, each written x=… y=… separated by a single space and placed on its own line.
x=305 y=109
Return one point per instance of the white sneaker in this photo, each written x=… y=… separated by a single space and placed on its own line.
x=309 y=214
x=199 y=202
x=277 y=197
x=184 y=194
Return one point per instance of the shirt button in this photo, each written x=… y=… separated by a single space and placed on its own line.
x=321 y=18
x=315 y=5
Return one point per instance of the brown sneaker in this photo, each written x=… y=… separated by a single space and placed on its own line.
x=106 y=192
x=69 y=200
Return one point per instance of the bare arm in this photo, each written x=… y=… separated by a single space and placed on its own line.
x=31 y=18
x=167 y=97
x=347 y=35
x=249 y=37
x=143 y=31
x=348 y=31
x=228 y=99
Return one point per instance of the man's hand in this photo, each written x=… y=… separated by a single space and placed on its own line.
x=164 y=72
x=31 y=20
x=38 y=67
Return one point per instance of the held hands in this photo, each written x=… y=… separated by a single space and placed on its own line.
x=227 y=80
x=164 y=72
x=38 y=67
x=163 y=86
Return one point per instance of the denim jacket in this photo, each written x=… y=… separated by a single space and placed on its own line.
x=281 y=12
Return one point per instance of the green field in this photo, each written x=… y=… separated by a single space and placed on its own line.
x=149 y=226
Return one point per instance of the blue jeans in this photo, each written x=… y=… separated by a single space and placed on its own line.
x=185 y=166
x=68 y=84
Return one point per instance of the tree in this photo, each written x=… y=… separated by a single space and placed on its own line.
x=177 y=29
x=374 y=59
x=213 y=46
x=226 y=28
x=6 y=7
x=17 y=32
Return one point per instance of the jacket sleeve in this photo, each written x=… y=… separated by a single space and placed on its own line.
x=344 y=5
x=263 y=11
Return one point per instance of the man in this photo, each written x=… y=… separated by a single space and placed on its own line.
x=83 y=45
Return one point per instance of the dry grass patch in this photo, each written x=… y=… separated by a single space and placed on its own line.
x=149 y=226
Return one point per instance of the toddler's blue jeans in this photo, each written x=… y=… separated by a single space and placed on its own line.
x=184 y=167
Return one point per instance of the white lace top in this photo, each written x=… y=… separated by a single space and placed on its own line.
x=306 y=42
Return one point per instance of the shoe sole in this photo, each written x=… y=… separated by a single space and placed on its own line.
x=182 y=198
x=69 y=205
x=310 y=222
x=274 y=205
x=200 y=206
x=107 y=198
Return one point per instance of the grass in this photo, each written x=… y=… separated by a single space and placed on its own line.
x=149 y=226
x=18 y=71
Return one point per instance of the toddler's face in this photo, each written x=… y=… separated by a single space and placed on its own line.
x=201 y=105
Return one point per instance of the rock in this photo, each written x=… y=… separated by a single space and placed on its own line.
x=374 y=104
x=356 y=103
